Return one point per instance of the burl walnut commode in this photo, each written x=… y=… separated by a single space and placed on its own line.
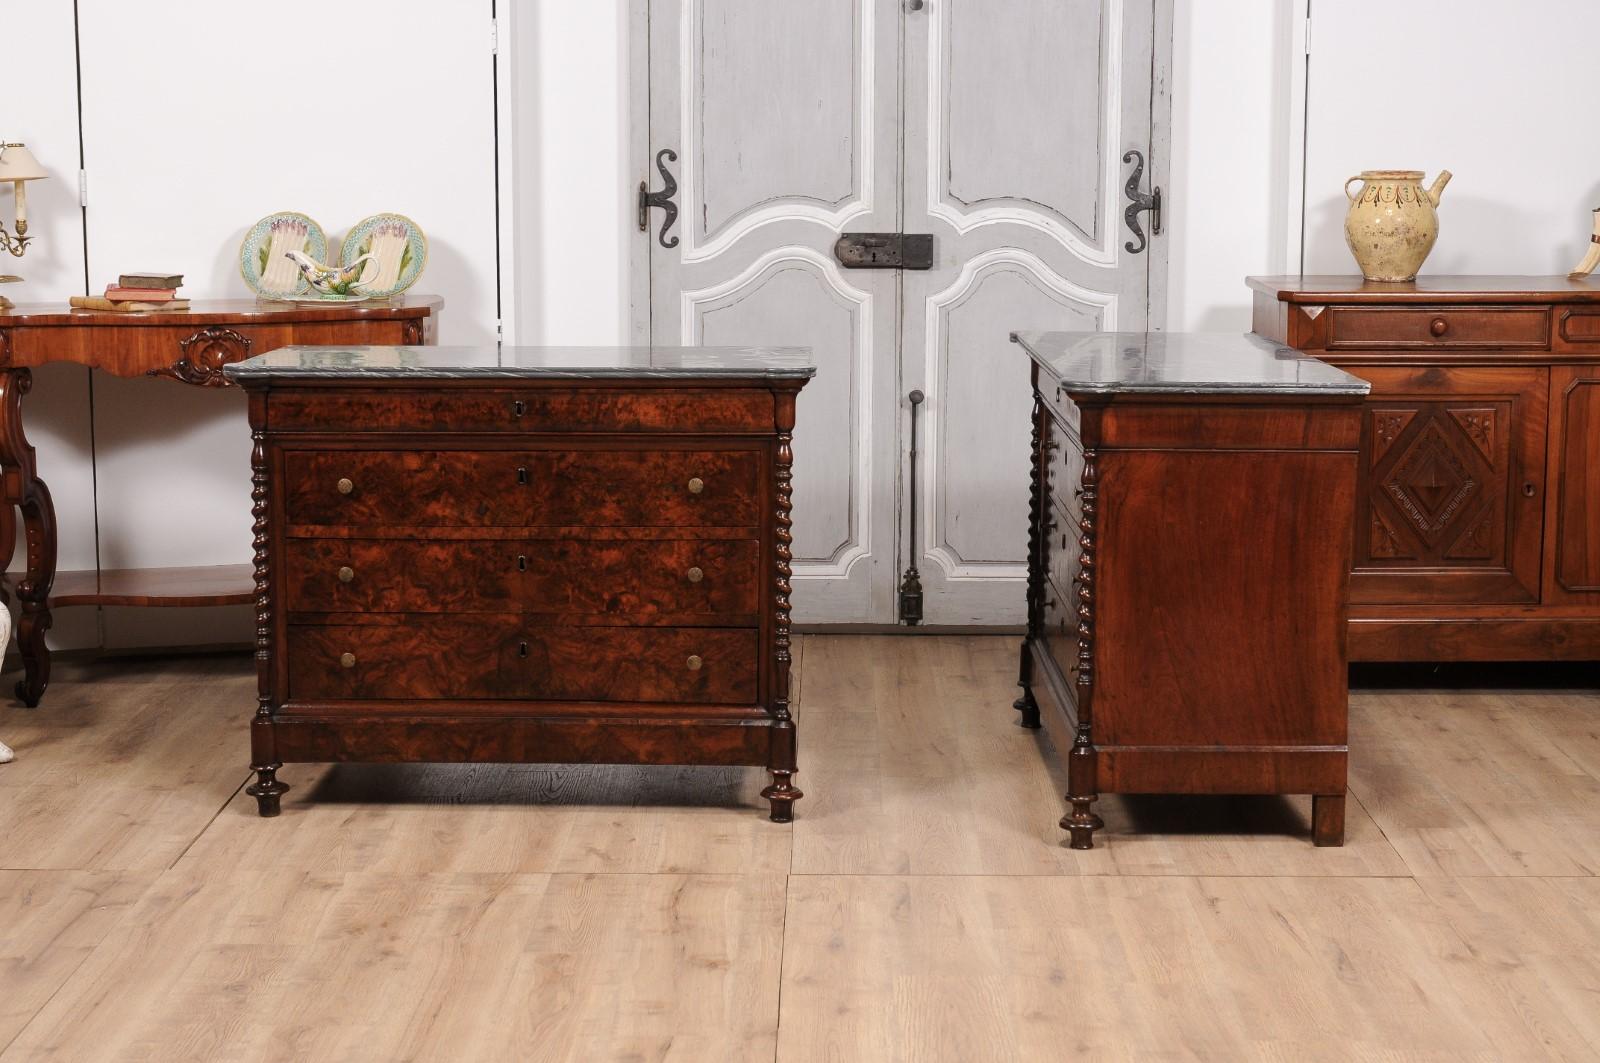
x=523 y=555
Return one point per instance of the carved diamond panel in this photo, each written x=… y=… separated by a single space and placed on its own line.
x=1431 y=483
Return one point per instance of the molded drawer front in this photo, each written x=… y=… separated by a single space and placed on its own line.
x=581 y=581
x=1443 y=328
x=524 y=410
x=501 y=657
x=539 y=488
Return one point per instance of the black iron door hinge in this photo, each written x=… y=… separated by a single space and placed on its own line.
x=662 y=199
x=1138 y=200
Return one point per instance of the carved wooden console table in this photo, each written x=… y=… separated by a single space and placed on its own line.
x=190 y=346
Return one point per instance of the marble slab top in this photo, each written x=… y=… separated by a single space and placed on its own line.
x=568 y=363
x=1223 y=363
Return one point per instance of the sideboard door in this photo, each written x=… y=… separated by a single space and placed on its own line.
x=1572 y=536
x=1453 y=482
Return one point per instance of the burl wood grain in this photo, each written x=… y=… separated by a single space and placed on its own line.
x=557 y=487
x=437 y=658
x=581 y=581
x=675 y=411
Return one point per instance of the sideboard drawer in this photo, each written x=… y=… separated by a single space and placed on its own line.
x=545 y=488
x=676 y=411
x=497 y=657
x=627 y=581
x=1443 y=328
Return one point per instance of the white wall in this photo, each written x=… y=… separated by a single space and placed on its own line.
x=573 y=190
x=1235 y=137
x=1496 y=93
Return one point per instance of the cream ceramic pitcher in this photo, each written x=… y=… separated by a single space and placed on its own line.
x=1392 y=224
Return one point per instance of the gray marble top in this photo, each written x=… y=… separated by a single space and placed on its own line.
x=1223 y=363
x=573 y=363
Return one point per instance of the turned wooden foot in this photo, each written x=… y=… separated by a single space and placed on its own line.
x=267 y=789
x=1327 y=819
x=783 y=794
x=1080 y=824
x=1029 y=709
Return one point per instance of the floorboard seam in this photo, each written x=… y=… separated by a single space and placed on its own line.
x=201 y=832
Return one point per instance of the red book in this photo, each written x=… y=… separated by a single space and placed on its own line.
x=139 y=295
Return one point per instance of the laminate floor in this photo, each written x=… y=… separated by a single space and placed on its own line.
x=922 y=906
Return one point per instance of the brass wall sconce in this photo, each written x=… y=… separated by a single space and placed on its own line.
x=18 y=166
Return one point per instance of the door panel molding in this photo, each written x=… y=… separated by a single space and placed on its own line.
x=694 y=307
x=936 y=543
x=699 y=245
x=965 y=218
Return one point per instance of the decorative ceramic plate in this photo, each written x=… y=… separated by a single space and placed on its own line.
x=397 y=251
x=263 y=257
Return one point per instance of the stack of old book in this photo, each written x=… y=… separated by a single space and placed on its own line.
x=136 y=292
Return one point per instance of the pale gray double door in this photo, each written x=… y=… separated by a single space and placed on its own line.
x=998 y=126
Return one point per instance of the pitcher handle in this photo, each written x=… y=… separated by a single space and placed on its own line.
x=1347 y=185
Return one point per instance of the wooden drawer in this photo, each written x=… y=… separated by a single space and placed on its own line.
x=1441 y=328
x=527 y=488
x=524 y=410
x=1060 y=626
x=502 y=657
x=672 y=581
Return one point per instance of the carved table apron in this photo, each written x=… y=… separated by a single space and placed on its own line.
x=190 y=346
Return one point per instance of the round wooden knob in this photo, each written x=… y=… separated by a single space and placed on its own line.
x=696 y=485
x=347 y=660
x=694 y=662
x=1439 y=327
x=345 y=485
x=346 y=574
x=695 y=575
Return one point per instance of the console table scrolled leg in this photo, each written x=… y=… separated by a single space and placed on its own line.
x=1327 y=819
x=23 y=489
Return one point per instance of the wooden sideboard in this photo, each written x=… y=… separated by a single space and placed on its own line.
x=1188 y=566
x=1478 y=512
x=188 y=346
x=523 y=554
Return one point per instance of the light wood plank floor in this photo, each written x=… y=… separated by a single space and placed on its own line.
x=922 y=906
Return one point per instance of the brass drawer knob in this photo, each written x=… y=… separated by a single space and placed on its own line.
x=695 y=575
x=694 y=662
x=346 y=573
x=1439 y=326
x=347 y=660
x=345 y=485
x=696 y=485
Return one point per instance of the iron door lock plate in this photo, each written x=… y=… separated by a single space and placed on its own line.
x=884 y=250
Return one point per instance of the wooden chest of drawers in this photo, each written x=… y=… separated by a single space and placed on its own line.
x=1477 y=532
x=1189 y=546
x=559 y=555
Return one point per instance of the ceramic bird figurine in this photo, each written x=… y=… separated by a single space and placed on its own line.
x=330 y=280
